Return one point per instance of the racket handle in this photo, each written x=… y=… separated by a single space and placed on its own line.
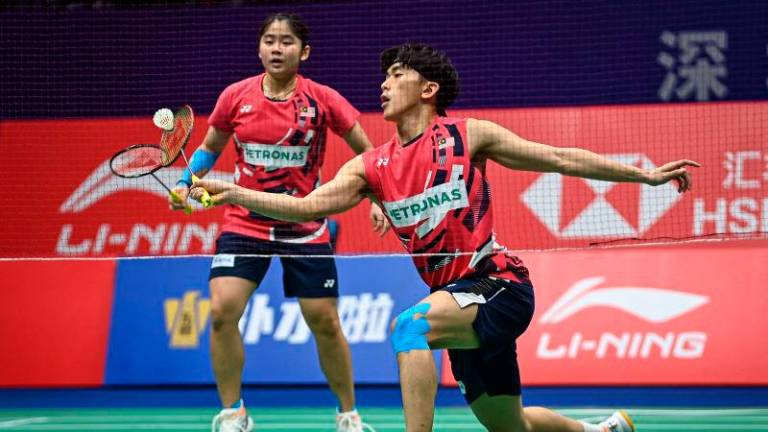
x=177 y=199
x=206 y=199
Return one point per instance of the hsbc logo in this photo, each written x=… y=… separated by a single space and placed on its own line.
x=551 y=198
x=649 y=304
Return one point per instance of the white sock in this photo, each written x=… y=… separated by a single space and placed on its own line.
x=589 y=427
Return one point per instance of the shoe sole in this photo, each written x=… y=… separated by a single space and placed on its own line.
x=628 y=419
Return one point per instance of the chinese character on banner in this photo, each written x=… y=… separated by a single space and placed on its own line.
x=738 y=173
x=695 y=65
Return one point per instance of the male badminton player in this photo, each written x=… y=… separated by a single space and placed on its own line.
x=430 y=178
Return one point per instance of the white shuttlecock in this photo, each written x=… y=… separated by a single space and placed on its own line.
x=163 y=119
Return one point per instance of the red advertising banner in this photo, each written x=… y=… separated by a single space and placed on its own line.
x=55 y=322
x=59 y=183
x=673 y=315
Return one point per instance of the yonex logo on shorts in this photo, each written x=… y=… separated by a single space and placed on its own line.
x=275 y=156
x=329 y=283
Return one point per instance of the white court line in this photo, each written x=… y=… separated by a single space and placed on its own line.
x=22 y=422
x=704 y=427
x=385 y=426
x=202 y=426
x=667 y=412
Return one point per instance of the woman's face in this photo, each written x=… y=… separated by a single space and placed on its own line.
x=280 y=50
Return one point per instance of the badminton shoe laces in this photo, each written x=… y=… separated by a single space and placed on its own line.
x=351 y=422
x=232 y=420
x=618 y=422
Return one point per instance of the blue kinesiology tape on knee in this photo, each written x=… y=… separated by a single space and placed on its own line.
x=410 y=331
x=202 y=161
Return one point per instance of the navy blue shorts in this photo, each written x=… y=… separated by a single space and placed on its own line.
x=505 y=308
x=310 y=277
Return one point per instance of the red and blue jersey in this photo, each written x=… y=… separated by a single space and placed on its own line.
x=280 y=149
x=439 y=205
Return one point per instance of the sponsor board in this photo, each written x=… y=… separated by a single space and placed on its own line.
x=673 y=316
x=85 y=211
x=80 y=209
x=55 y=322
x=162 y=319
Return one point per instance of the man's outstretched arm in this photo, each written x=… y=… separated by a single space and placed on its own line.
x=487 y=140
x=345 y=191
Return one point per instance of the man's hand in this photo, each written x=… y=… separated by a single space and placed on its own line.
x=673 y=171
x=221 y=192
x=378 y=220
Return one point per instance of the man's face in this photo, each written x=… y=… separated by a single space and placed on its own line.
x=400 y=91
x=280 y=50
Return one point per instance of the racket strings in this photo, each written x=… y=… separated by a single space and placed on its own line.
x=172 y=142
x=137 y=161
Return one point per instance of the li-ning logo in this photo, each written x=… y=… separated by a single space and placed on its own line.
x=185 y=319
x=599 y=218
x=102 y=183
x=653 y=305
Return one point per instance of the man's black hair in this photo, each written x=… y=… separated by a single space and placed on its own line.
x=430 y=63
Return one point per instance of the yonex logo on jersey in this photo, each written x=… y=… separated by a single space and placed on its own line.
x=382 y=162
x=246 y=108
x=433 y=203
x=274 y=156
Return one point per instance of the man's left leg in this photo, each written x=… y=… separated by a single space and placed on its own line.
x=436 y=322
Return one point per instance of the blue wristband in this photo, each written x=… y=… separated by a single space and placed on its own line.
x=202 y=161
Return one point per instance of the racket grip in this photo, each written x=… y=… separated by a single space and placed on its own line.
x=176 y=198
x=206 y=199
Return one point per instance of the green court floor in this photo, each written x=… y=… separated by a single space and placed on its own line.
x=384 y=419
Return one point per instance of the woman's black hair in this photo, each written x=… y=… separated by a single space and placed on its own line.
x=297 y=25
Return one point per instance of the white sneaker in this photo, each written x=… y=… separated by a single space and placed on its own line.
x=618 y=422
x=350 y=421
x=232 y=420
